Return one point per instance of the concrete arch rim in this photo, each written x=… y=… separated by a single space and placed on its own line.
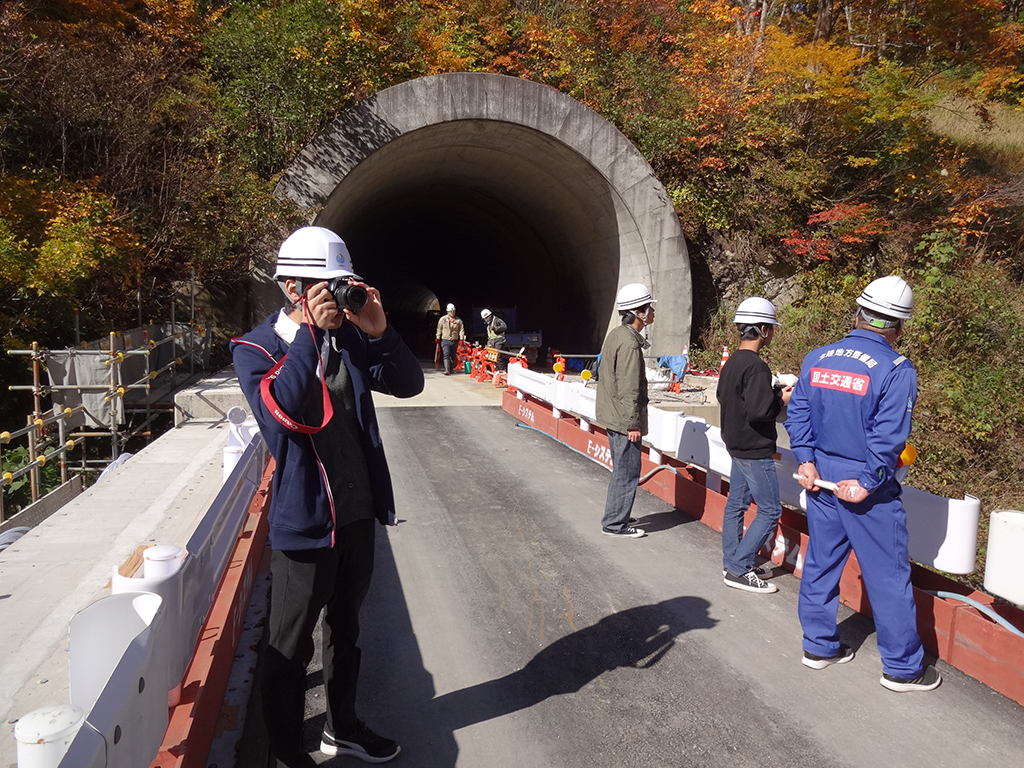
x=652 y=247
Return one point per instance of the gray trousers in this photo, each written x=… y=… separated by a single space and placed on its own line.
x=625 y=478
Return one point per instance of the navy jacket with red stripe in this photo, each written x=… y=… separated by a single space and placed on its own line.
x=301 y=513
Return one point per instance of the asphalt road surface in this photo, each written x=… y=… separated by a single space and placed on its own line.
x=504 y=629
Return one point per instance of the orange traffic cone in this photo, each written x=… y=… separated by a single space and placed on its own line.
x=725 y=356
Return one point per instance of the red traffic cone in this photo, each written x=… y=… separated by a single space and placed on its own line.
x=725 y=356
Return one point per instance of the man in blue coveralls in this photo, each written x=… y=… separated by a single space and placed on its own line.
x=848 y=422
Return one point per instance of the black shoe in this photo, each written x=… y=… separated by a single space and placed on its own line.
x=926 y=681
x=749 y=582
x=761 y=571
x=359 y=741
x=625 y=533
x=820 y=662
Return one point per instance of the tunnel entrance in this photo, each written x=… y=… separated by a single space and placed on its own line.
x=489 y=191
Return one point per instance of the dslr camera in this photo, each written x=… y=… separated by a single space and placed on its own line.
x=352 y=297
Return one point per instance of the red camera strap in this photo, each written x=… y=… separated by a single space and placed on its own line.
x=275 y=410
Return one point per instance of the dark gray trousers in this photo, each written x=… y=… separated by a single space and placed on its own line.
x=304 y=582
x=626 y=458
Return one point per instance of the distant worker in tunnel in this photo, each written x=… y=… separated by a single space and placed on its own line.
x=749 y=406
x=307 y=373
x=450 y=331
x=622 y=404
x=848 y=422
x=495 y=335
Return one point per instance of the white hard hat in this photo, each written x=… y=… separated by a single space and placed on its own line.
x=888 y=296
x=756 y=311
x=632 y=296
x=314 y=252
x=485 y=313
x=450 y=308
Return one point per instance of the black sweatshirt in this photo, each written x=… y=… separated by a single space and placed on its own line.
x=749 y=406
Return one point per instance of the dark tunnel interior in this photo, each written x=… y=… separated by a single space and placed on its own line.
x=469 y=214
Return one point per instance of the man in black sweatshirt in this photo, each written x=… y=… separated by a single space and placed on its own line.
x=749 y=407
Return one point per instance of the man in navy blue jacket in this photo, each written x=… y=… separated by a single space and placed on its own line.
x=848 y=422
x=307 y=373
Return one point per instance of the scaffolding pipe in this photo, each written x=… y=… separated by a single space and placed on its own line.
x=40 y=461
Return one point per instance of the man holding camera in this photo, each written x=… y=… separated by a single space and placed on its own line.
x=307 y=373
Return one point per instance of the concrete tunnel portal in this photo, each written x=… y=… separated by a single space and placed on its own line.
x=490 y=191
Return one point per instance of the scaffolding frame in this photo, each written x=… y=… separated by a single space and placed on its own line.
x=114 y=394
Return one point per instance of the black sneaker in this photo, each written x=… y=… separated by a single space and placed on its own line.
x=626 y=533
x=359 y=741
x=926 y=681
x=762 y=572
x=749 y=582
x=820 y=662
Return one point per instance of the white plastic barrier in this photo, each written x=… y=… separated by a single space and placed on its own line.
x=530 y=382
x=242 y=430
x=161 y=576
x=129 y=651
x=1002 y=563
x=118 y=677
x=943 y=533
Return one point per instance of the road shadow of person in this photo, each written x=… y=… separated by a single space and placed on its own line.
x=397 y=693
x=637 y=637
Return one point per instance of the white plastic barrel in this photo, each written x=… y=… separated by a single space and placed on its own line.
x=45 y=734
x=1002 y=563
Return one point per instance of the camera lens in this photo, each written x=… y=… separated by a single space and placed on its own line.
x=348 y=296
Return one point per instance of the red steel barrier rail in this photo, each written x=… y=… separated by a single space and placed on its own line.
x=193 y=721
x=953 y=631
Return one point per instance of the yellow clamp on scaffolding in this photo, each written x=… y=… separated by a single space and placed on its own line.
x=68 y=411
x=39 y=423
x=70 y=445
x=41 y=460
x=8 y=478
x=5 y=438
x=119 y=392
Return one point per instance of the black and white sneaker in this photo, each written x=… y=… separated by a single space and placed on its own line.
x=844 y=655
x=926 y=681
x=625 y=533
x=359 y=741
x=762 y=571
x=749 y=582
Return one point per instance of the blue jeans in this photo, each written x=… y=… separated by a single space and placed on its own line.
x=625 y=478
x=750 y=478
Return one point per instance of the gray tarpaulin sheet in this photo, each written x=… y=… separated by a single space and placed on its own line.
x=69 y=367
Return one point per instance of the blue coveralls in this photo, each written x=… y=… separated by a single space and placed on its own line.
x=850 y=413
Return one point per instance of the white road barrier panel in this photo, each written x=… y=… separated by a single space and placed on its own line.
x=118 y=686
x=1002 y=562
x=943 y=532
x=129 y=651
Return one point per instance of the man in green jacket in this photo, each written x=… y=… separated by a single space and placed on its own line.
x=622 y=405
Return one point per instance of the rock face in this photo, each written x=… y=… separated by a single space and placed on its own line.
x=734 y=266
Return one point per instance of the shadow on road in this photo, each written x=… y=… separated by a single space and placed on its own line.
x=397 y=694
